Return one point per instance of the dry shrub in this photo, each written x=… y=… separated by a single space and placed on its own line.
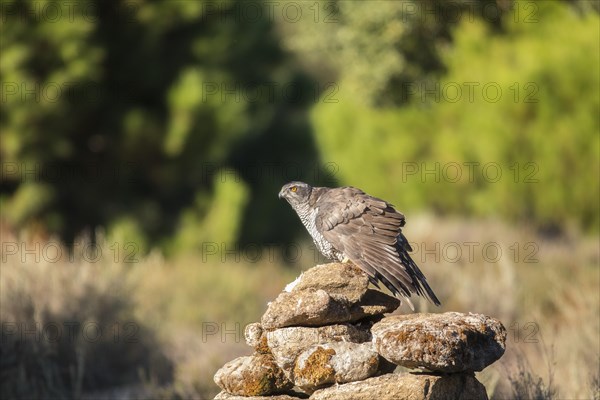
x=69 y=327
x=548 y=301
x=543 y=288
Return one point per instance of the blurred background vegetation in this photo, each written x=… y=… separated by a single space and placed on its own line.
x=173 y=124
x=153 y=119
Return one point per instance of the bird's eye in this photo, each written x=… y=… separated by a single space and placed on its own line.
x=294 y=189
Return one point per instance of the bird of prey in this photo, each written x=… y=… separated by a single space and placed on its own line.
x=347 y=224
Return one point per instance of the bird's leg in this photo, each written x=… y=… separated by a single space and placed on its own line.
x=345 y=260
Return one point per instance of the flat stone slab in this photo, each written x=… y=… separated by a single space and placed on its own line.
x=255 y=375
x=342 y=281
x=318 y=308
x=407 y=386
x=449 y=342
x=327 y=294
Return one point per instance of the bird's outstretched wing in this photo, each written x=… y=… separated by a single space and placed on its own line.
x=367 y=230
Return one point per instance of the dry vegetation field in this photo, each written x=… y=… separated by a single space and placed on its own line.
x=89 y=326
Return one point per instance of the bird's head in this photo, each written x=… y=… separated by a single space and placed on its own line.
x=296 y=193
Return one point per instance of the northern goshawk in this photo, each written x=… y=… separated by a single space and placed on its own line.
x=347 y=224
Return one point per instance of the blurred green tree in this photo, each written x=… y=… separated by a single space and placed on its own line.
x=376 y=47
x=509 y=129
x=121 y=114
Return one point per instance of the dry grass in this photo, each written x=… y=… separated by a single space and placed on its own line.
x=547 y=295
x=190 y=312
x=69 y=326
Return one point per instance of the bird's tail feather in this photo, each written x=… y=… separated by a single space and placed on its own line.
x=419 y=281
x=391 y=287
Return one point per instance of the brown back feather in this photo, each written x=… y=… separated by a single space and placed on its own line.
x=367 y=230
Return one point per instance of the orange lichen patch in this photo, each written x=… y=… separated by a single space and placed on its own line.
x=373 y=362
x=262 y=347
x=256 y=387
x=271 y=380
x=421 y=338
x=316 y=369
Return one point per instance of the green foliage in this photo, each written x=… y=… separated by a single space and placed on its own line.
x=376 y=47
x=221 y=223
x=351 y=48
x=31 y=197
x=125 y=114
x=126 y=233
x=125 y=111
x=540 y=134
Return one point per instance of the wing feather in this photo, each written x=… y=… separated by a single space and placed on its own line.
x=368 y=231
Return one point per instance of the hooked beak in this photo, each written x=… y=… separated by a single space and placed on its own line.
x=280 y=194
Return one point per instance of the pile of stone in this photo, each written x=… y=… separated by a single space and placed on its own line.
x=326 y=337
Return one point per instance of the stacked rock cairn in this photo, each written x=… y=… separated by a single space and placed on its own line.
x=326 y=337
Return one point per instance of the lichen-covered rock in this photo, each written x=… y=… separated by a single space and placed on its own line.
x=326 y=334
x=287 y=343
x=338 y=362
x=341 y=281
x=317 y=308
x=255 y=375
x=407 y=386
x=305 y=308
x=256 y=337
x=327 y=294
x=449 y=342
x=227 y=396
